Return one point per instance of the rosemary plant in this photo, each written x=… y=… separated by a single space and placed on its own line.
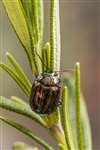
x=70 y=132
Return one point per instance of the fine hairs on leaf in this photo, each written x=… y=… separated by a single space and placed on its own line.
x=70 y=132
x=54 y=36
x=57 y=41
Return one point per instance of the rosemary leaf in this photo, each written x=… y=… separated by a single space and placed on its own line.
x=22 y=146
x=66 y=122
x=18 y=100
x=16 y=78
x=46 y=57
x=68 y=81
x=20 y=109
x=19 y=24
x=55 y=36
x=27 y=132
x=78 y=111
x=18 y=69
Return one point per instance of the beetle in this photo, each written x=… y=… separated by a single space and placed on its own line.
x=45 y=93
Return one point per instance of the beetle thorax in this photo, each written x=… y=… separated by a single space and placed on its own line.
x=48 y=79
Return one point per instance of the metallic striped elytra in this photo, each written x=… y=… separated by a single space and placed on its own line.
x=45 y=93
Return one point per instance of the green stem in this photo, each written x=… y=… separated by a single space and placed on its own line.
x=78 y=115
x=58 y=135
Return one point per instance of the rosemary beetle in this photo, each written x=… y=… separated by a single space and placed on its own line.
x=45 y=93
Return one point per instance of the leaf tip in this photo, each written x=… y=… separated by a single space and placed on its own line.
x=7 y=53
x=77 y=65
x=65 y=87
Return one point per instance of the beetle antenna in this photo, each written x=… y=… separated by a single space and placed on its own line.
x=67 y=70
x=63 y=71
x=58 y=71
x=41 y=60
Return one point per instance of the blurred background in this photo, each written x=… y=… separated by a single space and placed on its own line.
x=80 y=40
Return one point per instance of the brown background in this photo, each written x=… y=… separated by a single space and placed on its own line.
x=80 y=40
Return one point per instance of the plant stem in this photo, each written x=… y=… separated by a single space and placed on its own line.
x=58 y=135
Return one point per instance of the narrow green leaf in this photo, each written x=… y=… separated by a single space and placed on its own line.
x=78 y=113
x=46 y=57
x=17 y=79
x=27 y=132
x=27 y=6
x=37 y=6
x=44 y=60
x=66 y=122
x=33 y=12
x=68 y=81
x=52 y=36
x=19 y=24
x=85 y=125
x=17 y=19
x=47 y=54
x=19 y=70
x=18 y=100
x=55 y=36
x=22 y=146
x=40 y=19
x=20 y=109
